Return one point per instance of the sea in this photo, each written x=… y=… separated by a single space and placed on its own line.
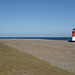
x=46 y=38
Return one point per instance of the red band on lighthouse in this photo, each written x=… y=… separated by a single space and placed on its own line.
x=73 y=33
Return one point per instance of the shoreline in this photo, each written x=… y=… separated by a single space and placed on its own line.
x=46 y=38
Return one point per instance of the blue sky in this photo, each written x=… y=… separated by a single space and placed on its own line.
x=39 y=18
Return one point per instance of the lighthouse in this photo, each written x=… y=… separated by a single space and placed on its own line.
x=73 y=34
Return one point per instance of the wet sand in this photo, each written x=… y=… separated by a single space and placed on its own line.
x=58 y=53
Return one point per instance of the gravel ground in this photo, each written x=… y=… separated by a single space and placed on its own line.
x=58 y=53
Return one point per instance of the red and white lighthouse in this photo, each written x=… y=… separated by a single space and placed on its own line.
x=73 y=34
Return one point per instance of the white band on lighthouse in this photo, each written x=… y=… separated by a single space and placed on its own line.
x=73 y=38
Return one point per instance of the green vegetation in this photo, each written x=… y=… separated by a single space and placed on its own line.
x=13 y=62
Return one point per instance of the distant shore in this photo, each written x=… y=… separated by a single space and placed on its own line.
x=58 y=53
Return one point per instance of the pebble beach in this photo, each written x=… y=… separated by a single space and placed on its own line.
x=58 y=53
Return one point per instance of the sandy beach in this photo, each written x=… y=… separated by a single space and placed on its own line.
x=58 y=53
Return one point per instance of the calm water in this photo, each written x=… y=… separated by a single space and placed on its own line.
x=47 y=38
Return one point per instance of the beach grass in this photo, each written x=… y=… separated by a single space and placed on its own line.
x=13 y=62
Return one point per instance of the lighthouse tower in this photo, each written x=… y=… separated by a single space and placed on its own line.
x=73 y=34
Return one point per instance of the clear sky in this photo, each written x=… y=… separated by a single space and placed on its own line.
x=39 y=18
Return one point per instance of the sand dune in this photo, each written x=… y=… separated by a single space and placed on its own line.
x=57 y=53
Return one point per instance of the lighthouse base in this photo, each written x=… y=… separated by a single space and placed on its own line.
x=70 y=41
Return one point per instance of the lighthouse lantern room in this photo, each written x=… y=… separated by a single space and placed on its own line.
x=73 y=34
